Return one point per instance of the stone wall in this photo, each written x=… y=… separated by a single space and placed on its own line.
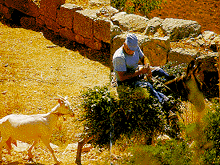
x=89 y=27
x=106 y=25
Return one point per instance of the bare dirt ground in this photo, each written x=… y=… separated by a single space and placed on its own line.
x=36 y=67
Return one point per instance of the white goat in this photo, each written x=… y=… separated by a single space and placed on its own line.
x=32 y=127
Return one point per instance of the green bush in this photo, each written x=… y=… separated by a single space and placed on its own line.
x=136 y=6
x=212 y=133
x=172 y=152
x=135 y=112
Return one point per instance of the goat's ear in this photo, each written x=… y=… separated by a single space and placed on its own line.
x=60 y=100
x=190 y=67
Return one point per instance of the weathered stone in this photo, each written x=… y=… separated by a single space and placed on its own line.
x=52 y=25
x=2 y=2
x=67 y=33
x=102 y=29
x=208 y=74
x=180 y=55
x=79 y=39
x=49 y=8
x=215 y=44
x=209 y=35
x=25 y=6
x=156 y=50
x=83 y=22
x=93 y=43
x=152 y=26
x=106 y=11
x=115 y=30
x=130 y=22
x=40 y=21
x=6 y=11
x=28 y=22
x=65 y=14
x=178 y=28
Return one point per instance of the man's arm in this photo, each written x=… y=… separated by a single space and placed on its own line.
x=125 y=75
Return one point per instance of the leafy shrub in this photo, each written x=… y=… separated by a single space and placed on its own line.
x=212 y=134
x=136 y=6
x=136 y=112
x=172 y=152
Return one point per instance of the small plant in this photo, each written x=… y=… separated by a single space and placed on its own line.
x=172 y=152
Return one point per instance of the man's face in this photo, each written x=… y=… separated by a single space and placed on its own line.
x=127 y=50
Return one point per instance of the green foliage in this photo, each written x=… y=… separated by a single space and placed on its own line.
x=134 y=112
x=212 y=133
x=136 y=6
x=172 y=152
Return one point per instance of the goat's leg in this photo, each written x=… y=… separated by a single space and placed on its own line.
x=46 y=141
x=81 y=143
x=79 y=151
x=30 y=156
x=1 y=150
x=3 y=140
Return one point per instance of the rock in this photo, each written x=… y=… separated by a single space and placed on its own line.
x=52 y=24
x=153 y=25
x=102 y=29
x=178 y=28
x=130 y=22
x=209 y=35
x=93 y=43
x=65 y=15
x=83 y=22
x=48 y=8
x=208 y=74
x=114 y=31
x=27 y=7
x=215 y=44
x=28 y=22
x=40 y=21
x=67 y=33
x=180 y=55
x=156 y=49
x=106 y=11
x=6 y=11
x=79 y=39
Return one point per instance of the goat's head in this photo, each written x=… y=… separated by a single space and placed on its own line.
x=65 y=107
x=187 y=86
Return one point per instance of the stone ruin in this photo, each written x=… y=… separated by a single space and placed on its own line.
x=106 y=25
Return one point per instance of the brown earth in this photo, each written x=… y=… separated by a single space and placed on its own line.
x=205 y=12
x=36 y=67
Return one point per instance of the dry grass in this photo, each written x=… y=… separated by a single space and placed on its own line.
x=35 y=67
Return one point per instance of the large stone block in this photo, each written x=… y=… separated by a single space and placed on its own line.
x=180 y=55
x=49 y=8
x=65 y=14
x=52 y=25
x=102 y=29
x=93 y=43
x=178 y=28
x=25 y=6
x=6 y=11
x=156 y=50
x=130 y=22
x=83 y=22
x=67 y=33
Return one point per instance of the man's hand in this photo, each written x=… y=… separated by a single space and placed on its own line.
x=146 y=70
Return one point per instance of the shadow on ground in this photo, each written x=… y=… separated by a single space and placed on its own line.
x=102 y=56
